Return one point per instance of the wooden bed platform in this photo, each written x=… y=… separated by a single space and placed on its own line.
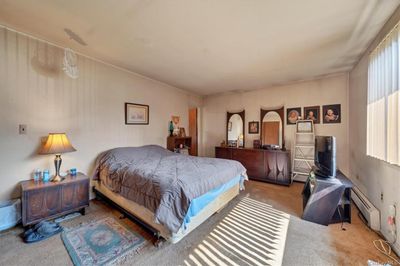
x=144 y=216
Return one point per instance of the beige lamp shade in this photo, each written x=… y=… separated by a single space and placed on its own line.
x=56 y=143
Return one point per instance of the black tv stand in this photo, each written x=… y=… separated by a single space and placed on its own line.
x=327 y=200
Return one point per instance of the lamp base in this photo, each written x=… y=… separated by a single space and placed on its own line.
x=57 y=178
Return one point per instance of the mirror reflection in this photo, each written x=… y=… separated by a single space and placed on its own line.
x=235 y=131
x=272 y=129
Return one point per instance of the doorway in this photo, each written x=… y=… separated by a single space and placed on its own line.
x=193 y=130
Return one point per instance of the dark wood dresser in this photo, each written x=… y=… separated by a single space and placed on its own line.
x=173 y=143
x=263 y=165
x=42 y=201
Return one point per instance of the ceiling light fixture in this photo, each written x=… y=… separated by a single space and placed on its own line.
x=70 y=63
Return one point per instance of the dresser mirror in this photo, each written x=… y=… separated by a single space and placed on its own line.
x=272 y=127
x=235 y=129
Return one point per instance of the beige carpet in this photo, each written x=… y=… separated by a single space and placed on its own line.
x=220 y=237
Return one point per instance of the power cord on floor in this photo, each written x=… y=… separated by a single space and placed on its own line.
x=381 y=245
x=384 y=247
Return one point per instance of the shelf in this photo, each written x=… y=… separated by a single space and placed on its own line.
x=305 y=133
x=301 y=172
x=304 y=159
x=305 y=145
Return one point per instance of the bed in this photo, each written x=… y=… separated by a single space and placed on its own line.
x=169 y=193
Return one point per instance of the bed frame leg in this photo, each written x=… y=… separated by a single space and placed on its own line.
x=159 y=241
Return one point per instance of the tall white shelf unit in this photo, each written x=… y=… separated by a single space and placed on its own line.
x=303 y=150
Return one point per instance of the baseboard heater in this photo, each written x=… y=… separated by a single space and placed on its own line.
x=370 y=213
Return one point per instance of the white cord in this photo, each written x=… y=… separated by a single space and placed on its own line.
x=385 y=248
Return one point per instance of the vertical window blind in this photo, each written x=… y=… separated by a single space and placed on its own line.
x=383 y=110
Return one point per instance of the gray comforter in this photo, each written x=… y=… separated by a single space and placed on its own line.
x=163 y=181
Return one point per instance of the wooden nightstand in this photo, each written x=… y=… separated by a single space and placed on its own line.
x=43 y=201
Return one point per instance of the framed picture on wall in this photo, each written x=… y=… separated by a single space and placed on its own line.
x=254 y=127
x=136 y=114
x=312 y=113
x=331 y=114
x=292 y=115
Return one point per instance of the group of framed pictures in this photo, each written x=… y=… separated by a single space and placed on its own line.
x=331 y=114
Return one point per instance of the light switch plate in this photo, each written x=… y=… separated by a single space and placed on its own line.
x=22 y=129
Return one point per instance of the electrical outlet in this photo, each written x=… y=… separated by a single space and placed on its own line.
x=392 y=220
x=22 y=129
x=381 y=196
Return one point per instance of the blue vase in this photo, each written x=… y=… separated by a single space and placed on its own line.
x=46 y=176
x=171 y=128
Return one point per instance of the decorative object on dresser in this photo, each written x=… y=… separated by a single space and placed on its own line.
x=312 y=113
x=327 y=200
x=235 y=128
x=254 y=127
x=331 y=114
x=136 y=114
x=43 y=201
x=263 y=165
x=176 y=144
x=272 y=129
x=182 y=132
x=57 y=143
x=223 y=143
x=303 y=150
x=256 y=144
x=175 y=122
x=292 y=115
x=171 y=128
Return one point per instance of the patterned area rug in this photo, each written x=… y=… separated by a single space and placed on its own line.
x=102 y=242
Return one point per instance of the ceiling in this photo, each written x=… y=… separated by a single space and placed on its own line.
x=210 y=46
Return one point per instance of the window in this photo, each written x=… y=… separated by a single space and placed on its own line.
x=383 y=111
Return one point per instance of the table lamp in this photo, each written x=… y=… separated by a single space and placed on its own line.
x=57 y=143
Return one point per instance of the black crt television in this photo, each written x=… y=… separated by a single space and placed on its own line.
x=325 y=156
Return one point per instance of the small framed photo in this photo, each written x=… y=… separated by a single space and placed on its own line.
x=182 y=132
x=304 y=126
x=312 y=113
x=254 y=127
x=136 y=114
x=331 y=114
x=292 y=115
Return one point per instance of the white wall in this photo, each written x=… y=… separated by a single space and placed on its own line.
x=371 y=175
x=330 y=90
x=34 y=91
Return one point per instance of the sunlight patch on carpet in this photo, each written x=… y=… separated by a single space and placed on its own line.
x=253 y=233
